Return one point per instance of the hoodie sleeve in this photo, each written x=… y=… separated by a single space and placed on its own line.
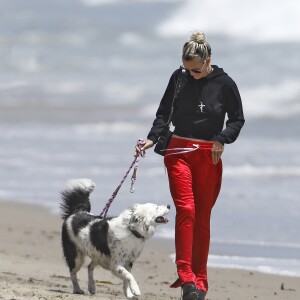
x=164 y=110
x=235 y=117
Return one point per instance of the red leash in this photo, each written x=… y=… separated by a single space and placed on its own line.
x=140 y=143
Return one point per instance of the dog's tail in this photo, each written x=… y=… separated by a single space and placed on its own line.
x=76 y=197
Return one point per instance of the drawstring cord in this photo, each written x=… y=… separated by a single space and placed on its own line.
x=182 y=150
x=135 y=163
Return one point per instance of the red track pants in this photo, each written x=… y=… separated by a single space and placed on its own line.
x=195 y=183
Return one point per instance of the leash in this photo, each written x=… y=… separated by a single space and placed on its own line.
x=140 y=143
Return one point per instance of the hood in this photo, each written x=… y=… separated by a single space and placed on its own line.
x=217 y=72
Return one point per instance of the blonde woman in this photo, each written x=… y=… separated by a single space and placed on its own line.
x=206 y=97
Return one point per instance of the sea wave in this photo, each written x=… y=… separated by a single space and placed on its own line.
x=257 y=243
x=280 y=101
x=277 y=101
x=277 y=266
x=98 y=2
x=243 y=22
x=243 y=171
x=103 y=2
x=107 y=127
x=246 y=170
x=262 y=171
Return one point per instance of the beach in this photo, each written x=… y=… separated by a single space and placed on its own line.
x=81 y=82
x=32 y=266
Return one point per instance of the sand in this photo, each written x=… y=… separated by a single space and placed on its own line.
x=32 y=266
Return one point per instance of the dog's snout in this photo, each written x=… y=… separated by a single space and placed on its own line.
x=168 y=206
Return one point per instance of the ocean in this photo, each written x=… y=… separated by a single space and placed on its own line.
x=81 y=81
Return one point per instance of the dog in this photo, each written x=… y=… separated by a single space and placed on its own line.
x=114 y=243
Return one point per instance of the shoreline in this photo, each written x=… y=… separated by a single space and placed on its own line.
x=263 y=257
x=32 y=266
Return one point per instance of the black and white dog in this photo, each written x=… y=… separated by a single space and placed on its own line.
x=114 y=243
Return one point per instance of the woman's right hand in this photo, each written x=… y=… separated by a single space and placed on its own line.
x=147 y=145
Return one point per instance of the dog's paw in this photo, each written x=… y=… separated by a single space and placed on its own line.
x=132 y=297
x=127 y=291
x=129 y=295
x=135 y=289
x=92 y=288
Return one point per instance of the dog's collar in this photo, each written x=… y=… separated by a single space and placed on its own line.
x=137 y=234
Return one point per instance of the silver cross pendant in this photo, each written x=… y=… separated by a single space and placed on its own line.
x=201 y=105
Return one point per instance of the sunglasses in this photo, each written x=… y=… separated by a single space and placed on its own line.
x=197 y=71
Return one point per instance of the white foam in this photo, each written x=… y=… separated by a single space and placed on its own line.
x=12 y=85
x=24 y=60
x=240 y=171
x=66 y=87
x=261 y=21
x=257 y=243
x=4 y=194
x=120 y=93
x=131 y=39
x=27 y=64
x=287 y=267
x=165 y=233
x=98 y=2
x=246 y=170
x=103 y=2
x=276 y=266
x=108 y=127
x=261 y=171
x=277 y=101
x=113 y=92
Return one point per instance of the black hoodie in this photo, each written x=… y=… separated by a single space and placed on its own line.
x=218 y=95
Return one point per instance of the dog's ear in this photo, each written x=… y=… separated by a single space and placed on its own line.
x=133 y=208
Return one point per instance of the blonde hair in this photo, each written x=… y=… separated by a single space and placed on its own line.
x=196 y=46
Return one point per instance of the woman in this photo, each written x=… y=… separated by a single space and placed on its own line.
x=207 y=95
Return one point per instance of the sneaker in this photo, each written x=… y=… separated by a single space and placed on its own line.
x=189 y=291
x=201 y=295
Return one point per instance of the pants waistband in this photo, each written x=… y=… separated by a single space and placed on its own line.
x=184 y=140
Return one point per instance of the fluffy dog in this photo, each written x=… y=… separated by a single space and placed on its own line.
x=114 y=243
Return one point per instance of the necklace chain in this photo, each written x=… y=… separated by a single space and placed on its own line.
x=200 y=105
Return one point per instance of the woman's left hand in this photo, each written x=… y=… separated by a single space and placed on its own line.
x=217 y=151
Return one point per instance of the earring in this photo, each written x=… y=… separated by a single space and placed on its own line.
x=209 y=69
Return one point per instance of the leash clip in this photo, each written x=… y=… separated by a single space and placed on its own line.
x=140 y=143
x=132 y=188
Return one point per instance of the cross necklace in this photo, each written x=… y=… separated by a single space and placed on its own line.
x=201 y=106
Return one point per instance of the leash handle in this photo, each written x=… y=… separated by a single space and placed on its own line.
x=140 y=143
x=135 y=163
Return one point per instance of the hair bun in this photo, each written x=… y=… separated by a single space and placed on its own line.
x=196 y=46
x=198 y=37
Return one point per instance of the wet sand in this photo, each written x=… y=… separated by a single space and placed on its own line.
x=32 y=266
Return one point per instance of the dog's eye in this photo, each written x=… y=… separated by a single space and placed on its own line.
x=135 y=219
